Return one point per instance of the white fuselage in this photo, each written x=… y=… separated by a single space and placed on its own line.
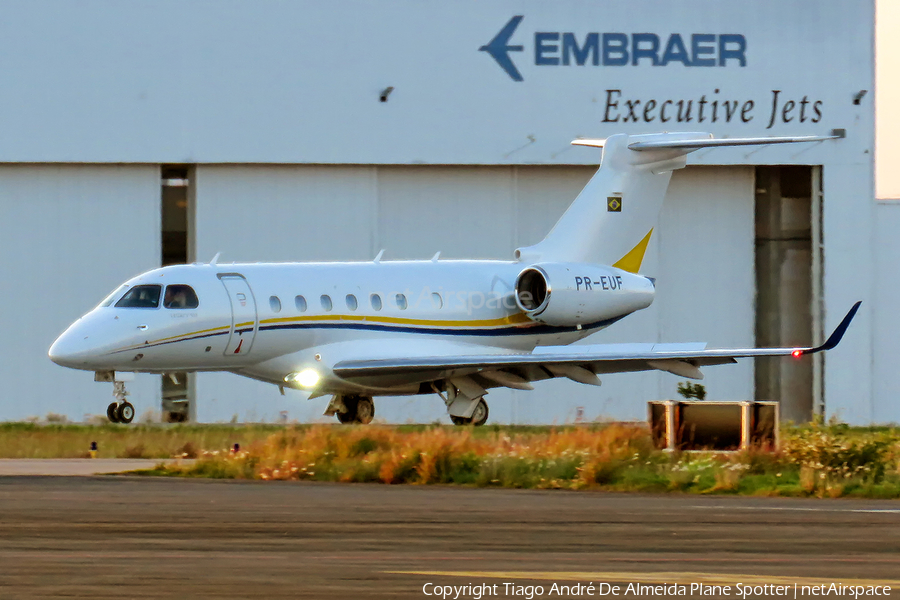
x=267 y=320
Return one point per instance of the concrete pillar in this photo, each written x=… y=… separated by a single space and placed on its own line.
x=784 y=283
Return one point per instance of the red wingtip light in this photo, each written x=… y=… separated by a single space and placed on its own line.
x=797 y=353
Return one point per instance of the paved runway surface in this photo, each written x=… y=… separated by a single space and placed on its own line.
x=130 y=537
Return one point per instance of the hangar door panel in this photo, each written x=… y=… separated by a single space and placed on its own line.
x=284 y=213
x=463 y=212
x=71 y=234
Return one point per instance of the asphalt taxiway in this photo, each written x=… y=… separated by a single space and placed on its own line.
x=117 y=537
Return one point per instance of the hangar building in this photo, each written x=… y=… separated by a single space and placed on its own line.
x=143 y=133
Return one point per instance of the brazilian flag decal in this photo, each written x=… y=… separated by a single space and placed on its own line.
x=613 y=204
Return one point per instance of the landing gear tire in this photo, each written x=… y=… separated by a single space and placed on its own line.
x=478 y=418
x=360 y=409
x=350 y=415
x=125 y=412
x=112 y=412
x=365 y=410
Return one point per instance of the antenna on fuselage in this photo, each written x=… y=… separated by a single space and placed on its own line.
x=378 y=258
x=436 y=256
x=215 y=259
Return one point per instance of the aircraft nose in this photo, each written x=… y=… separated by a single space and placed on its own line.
x=70 y=350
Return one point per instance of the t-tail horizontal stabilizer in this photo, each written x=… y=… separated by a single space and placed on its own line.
x=705 y=140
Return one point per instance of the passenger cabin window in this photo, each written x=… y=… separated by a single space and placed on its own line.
x=352 y=304
x=326 y=302
x=275 y=303
x=180 y=296
x=401 y=301
x=436 y=300
x=375 y=299
x=141 y=296
x=300 y=303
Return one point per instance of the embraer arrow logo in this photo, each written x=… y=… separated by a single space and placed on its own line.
x=619 y=49
x=499 y=48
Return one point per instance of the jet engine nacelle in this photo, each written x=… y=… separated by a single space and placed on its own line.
x=566 y=294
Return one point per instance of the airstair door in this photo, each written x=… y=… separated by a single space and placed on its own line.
x=244 y=322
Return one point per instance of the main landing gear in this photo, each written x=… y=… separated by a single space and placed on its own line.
x=479 y=415
x=120 y=411
x=352 y=409
x=465 y=401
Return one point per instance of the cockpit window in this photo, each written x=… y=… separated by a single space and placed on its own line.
x=112 y=297
x=180 y=296
x=141 y=296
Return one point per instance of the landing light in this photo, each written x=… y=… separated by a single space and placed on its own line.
x=306 y=378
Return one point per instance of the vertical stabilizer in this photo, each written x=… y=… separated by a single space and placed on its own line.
x=612 y=219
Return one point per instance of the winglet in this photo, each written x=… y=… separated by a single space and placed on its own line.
x=835 y=338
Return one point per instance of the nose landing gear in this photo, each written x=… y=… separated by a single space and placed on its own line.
x=120 y=411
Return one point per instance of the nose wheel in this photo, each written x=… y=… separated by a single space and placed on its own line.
x=120 y=411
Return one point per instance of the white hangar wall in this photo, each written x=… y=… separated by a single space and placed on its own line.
x=885 y=406
x=169 y=81
x=69 y=235
x=349 y=213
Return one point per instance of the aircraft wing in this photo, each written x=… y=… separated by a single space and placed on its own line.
x=580 y=363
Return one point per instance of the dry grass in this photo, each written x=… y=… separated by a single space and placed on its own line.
x=816 y=461
x=529 y=457
x=58 y=440
x=822 y=461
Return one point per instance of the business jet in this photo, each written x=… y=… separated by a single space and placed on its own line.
x=455 y=328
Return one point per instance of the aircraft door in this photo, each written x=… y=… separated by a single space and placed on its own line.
x=243 y=315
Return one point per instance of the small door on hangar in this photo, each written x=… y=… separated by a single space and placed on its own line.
x=243 y=314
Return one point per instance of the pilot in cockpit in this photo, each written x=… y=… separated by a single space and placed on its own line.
x=176 y=297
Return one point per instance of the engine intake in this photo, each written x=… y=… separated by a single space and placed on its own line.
x=567 y=294
x=532 y=289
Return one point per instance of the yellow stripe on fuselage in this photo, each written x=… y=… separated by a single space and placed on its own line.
x=194 y=333
x=517 y=319
x=511 y=320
